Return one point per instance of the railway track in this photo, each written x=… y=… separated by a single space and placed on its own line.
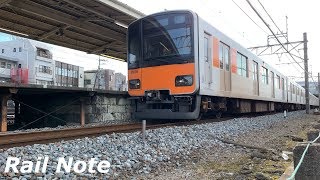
x=13 y=139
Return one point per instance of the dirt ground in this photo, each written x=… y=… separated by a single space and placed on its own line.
x=254 y=155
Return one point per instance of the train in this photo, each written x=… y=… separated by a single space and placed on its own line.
x=181 y=67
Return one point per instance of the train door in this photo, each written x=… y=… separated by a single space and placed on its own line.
x=272 y=84
x=207 y=56
x=225 y=72
x=255 y=78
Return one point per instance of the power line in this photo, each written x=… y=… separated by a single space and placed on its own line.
x=268 y=26
x=278 y=27
x=228 y=22
x=254 y=9
x=249 y=17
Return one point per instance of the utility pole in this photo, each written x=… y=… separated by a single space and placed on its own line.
x=98 y=76
x=306 y=72
x=99 y=72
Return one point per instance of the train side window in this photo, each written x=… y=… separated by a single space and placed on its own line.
x=205 y=48
x=224 y=55
x=278 y=82
x=227 y=56
x=265 y=75
x=242 y=65
x=221 y=54
x=255 y=70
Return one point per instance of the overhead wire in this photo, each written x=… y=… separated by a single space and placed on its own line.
x=268 y=26
x=229 y=24
x=255 y=23
x=282 y=33
x=249 y=17
x=277 y=26
x=252 y=20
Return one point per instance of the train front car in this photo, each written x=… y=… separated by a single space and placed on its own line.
x=162 y=63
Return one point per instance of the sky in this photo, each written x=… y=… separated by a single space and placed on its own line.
x=228 y=18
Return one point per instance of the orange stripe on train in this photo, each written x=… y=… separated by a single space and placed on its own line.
x=162 y=78
x=215 y=60
x=233 y=60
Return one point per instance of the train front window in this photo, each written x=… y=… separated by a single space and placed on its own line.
x=134 y=46
x=167 y=36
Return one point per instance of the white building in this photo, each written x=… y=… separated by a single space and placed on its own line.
x=33 y=57
x=37 y=64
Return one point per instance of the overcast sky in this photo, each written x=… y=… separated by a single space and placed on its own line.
x=228 y=18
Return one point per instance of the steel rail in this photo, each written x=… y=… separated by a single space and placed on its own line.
x=16 y=139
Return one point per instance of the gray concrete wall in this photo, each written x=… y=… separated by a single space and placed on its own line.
x=108 y=108
x=104 y=108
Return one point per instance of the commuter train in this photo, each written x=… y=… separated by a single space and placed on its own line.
x=180 y=67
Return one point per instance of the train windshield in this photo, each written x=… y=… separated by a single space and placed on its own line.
x=166 y=39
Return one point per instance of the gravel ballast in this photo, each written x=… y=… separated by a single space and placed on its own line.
x=129 y=156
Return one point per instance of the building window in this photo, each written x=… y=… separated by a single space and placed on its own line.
x=255 y=70
x=264 y=75
x=69 y=73
x=2 y=51
x=14 y=49
x=242 y=65
x=8 y=66
x=20 y=49
x=44 y=53
x=87 y=81
x=45 y=69
x=224 y=55
x=3 y=64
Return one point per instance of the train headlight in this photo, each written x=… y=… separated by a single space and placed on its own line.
x=134 y=84
x=186 y=80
